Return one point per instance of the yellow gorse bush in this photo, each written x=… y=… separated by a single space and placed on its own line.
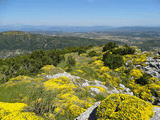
x=47 y=68
x=67 y=100
x=136 y=73
x=22 y=116
x=50 y=69
x=12 y=107
x=124 y=107
x=20 y=78
x=14 y=111
x=98 y=63
x=60 y=84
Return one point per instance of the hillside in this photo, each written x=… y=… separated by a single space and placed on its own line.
x=15 y=43
x=13 y=40
x=103 y=82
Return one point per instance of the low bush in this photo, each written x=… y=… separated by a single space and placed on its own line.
x=71 y=61
x=80 y=51
x=125 y=50
x=124 y=107
x=109 y=46
x=144 y=79
x=113 y=61
x=92 y=54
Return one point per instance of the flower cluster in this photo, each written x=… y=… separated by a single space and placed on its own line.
x=14 y=111
x=47 y=68
x=50 y=69
x=60 y=84
x=124 y=107
x=67 y=99
x=69 y=102
x=20 y=78
x=136 y=73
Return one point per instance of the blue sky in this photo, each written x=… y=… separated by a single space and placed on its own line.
x=80 y=12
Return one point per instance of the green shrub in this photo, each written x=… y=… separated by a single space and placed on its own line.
x=124 y=107
x=81 y=51
x=125 y=50
x=92 y=54
x=143 y=80
x=113 y=61
x=109 y=46
x=71 y=61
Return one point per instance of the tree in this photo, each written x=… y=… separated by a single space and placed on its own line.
x=71 y=61
x=113 y=61
x=109 y=46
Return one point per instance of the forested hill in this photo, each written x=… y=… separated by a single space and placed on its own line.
x=13 y=40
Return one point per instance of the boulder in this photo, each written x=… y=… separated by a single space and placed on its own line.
x=153 y=67
x=90 y=113
x=156 y=114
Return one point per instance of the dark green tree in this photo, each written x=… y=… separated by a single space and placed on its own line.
x=109 y=46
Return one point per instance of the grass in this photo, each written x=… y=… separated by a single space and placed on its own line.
x=14 y=93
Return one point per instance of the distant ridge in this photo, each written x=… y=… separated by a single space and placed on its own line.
x=32 y=28
x=13 y=40
x=14 y=33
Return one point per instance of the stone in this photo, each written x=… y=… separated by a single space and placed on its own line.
x=96 y=90
x=153 y=67
x=90 y=113
x=125 y=90
x=156 y=114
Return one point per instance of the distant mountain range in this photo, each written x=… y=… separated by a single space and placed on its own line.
x=31 y=28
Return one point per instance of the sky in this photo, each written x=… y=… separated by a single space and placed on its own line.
x=80 y=12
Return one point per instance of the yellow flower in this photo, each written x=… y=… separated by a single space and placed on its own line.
x=125 y=107
x=136 y=73
x=13 y=111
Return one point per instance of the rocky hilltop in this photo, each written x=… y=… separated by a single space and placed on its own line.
x=110 y=82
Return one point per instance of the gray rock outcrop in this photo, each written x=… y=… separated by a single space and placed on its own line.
x=156 y=114
x=90 y=113
x=153 y=67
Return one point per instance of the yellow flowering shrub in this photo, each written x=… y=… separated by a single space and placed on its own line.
x=69 y=102
x=20 y=78
x=138 y=58
x=12 y=107
x=50 y=69
x=80 y=71
x=140 y=91
x=38 y=79
x=22 y=116
x=120 y=69
x=17 y=80
x=136 y=73
x=111 y=79
x=47 y=68
x=124 y=107
x=66 y=100
x=104 y=69
x=155 y=87
x=60 y=84
x=98 y=63
x=76 y=110
x=14 y=111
